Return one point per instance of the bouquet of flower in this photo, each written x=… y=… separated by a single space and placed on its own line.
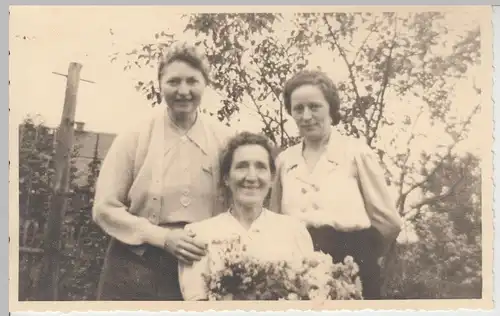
x=236 y=274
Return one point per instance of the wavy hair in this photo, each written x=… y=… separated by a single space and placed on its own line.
x=323 y=82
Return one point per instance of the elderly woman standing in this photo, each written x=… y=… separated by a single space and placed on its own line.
x=334 y=183
x=155 y=179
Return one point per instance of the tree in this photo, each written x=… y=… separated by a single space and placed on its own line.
x=84 y=242
x=384 y=54
x=397 y=74
x=448 y=254
x=36 y=172
x=251 y=66
x=389 y=54
x=247 y=62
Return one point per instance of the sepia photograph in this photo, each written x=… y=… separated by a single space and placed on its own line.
x=251 y=158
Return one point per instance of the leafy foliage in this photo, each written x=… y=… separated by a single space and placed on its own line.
x=446 y=261
x=83 y=242
x=36 y=170
x=397 y=74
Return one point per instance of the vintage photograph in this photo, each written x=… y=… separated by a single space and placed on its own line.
x=170 y=157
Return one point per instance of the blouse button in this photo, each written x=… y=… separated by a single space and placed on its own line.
x=304 y=191
x=185 y=201
x=315 y=206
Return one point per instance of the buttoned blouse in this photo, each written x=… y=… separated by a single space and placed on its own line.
x=271 y=237
x=156 y=175
x=188 y=182
x=346 y=186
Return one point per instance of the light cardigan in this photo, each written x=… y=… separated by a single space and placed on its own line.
x=270 y=237
x=346 y=186
x=130 y=191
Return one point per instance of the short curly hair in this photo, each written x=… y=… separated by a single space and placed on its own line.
x=188 y=53
x=320 y=80
x=242 y=139
x=227 y=155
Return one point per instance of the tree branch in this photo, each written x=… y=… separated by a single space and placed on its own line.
x=246 y=105
x=442 y=196
x=440 y=163
x=278 y=97
x=349 y=65
x=373 y=27
x=272 y=119
x=257 y=106
x=404 y=167
x=381 y=95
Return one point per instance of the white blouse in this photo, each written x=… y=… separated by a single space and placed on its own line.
x=271 y=237
x=346 y=188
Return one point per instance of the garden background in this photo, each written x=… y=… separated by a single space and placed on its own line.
x=408 y=84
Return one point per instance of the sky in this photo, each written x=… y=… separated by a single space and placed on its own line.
x=60 y=36
x=57 y=36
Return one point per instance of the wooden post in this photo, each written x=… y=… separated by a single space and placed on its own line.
x=49 y=282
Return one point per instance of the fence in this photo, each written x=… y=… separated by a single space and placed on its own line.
x=83 y=242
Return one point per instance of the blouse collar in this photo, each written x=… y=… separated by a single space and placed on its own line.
x=257 y=224
x=334 y=148
x=196 y=134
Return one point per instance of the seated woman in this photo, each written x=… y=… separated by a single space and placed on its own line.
x=247 y=171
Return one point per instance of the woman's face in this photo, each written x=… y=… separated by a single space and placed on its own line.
x=250 y=176
x=311 y=111
x=182 y=87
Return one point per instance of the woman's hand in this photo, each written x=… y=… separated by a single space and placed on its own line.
x=184 y=246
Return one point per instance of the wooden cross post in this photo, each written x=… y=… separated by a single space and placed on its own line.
x=49 y=282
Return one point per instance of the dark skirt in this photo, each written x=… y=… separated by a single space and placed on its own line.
x=362 y=245
x=127 y=276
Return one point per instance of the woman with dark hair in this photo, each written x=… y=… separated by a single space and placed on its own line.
x=247 y=171
x=334 y=183
x=155 y=179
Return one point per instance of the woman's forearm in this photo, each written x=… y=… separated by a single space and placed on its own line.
x=110 y=210
x=128 y=228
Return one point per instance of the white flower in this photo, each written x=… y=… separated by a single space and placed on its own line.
x=312 y=275
x=292 y=297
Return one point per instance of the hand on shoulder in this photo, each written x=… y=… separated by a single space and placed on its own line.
x=184 y=245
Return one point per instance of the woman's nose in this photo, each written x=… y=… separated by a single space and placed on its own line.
x=307 y=114
x=183 y=89
x=251 y=174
